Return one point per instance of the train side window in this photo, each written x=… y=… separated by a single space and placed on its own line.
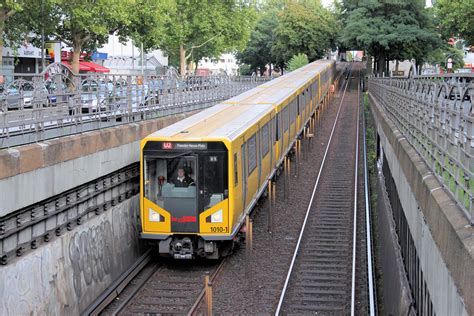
x=298 y=105
x=277 y=134
x=236 y=170
x=285 y=118
x=265 y=145
x=252 y=153
x=292 y=111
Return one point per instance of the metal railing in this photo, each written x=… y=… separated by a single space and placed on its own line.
x=435 y=115
x=36 y=107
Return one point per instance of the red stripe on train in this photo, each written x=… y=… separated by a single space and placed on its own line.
x=184 y=219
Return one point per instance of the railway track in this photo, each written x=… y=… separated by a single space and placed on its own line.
x=158 y=287
x=321 y=278
x=48 y=219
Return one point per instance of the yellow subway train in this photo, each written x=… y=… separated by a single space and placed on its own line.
x=200 y=177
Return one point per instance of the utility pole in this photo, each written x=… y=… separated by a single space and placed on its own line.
x=42 y=38
x=141 y=44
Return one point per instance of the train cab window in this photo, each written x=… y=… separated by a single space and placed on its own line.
x=170 y=182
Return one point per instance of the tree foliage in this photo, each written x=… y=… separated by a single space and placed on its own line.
x=197 y=29
x=258 y=52
x=82 y=25
x=297 y=61
x=147 y=22
x=398 y=29
x=12 y=28
x=440 y=57
x=456 y=18
x=304 y=27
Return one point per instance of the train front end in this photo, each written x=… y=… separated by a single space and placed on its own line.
x=184 y=197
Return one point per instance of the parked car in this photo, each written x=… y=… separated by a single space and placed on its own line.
x=95 y=95
x=18 y=96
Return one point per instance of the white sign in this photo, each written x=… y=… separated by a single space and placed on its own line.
x=27 y=50
x=450 y=65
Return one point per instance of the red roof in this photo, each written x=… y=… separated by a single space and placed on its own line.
x=88 y=66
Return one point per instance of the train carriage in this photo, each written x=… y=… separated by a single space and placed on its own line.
x=225 y=156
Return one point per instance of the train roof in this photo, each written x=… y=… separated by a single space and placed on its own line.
x=280 y=89
x=220 y=121
x=231 y=118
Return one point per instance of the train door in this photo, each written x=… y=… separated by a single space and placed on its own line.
x=244 y=175
x=212 y=179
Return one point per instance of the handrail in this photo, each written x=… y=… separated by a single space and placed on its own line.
x=37 y=107
x=437 y=119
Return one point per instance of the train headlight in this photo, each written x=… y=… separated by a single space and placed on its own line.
x=154 y=216
x=217 y=217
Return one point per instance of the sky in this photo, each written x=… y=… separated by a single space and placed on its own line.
x=326 y=3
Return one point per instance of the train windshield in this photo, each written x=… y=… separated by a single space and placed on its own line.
x=185 y=183
x=170 y=182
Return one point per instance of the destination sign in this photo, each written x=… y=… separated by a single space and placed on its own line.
x=183 y=146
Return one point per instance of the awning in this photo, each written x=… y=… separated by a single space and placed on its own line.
x=95 y=67
x=81 y=66
x=88 y=66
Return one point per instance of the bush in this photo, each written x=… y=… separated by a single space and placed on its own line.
x=297 y=61
x=245 y=70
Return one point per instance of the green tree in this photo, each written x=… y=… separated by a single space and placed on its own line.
x=207 y=28
x=297 y=61
x=304 y=27
x=401 y=29
x=440 y=57
x=147 y=22
x=457 y=18
x=12 y=30
x=258 y=52
x=82 y=25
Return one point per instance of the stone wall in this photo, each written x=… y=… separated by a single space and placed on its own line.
x=64 y=276
x=443 y=237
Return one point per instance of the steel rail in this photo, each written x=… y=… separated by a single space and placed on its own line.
x=118 y=286
x=194 y=308
x=368 y=224
x=354 y=234
x=300 y=237
x=126 y=301
x=121 y=184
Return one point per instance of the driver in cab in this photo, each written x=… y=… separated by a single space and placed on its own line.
x=182 y=180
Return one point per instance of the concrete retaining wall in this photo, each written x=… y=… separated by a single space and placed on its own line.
x=66 y=275
x=396 y=290
x=443 y=237
x=31 y=173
